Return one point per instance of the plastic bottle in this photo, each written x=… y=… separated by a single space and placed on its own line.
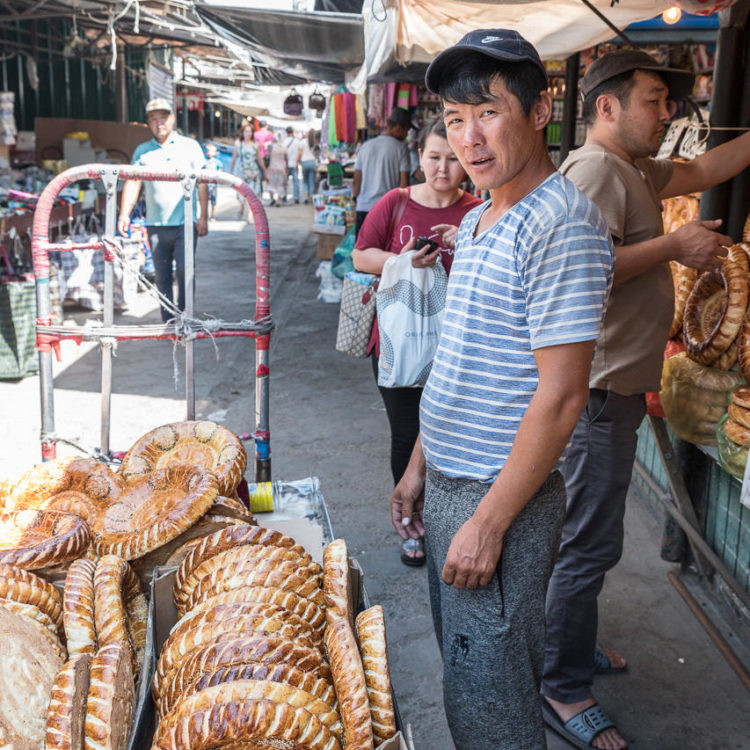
x=291 y=498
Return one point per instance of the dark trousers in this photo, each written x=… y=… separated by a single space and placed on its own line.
x=359 y=219
x=597 y=470
x=168 y=245
x=492 y=638
x=402 y=408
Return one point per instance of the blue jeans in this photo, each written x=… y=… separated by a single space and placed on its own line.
x=308 y=177
x=294 y=171
x=168 y=245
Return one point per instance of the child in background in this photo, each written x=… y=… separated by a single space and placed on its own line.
x=213 y=164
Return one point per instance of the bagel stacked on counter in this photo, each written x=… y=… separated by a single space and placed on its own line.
x=733 y=432
x=264 y=652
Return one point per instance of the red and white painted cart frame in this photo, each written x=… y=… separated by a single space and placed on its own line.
x=50 y=335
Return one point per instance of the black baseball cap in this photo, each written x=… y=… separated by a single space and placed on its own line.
x=502 y=44
x=679 y=81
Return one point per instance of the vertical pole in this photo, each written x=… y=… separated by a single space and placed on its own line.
x=68 y=105
x=21 y=84
x=109 y=176
x=570 y=102
x=121 y=94
x=84 y=93
x=188 y=183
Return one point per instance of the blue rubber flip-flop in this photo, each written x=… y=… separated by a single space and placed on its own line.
x=582 y=728
x=603 y=665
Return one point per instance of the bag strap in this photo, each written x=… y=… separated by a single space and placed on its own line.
x=396 y=216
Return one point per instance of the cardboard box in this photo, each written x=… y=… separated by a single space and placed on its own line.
x=163 y=616
x=327 y=244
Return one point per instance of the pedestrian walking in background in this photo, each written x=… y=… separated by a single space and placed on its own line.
x=381 y=164
x=278 y=170
x=213 y=164
x=526 y=298
x=309 y=164
x=433 y=209
x=165 y=207
x=293 y=145
x=247 y=160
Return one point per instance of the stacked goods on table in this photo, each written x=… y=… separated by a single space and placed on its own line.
x=733 y=433
x=264 y=653
x=71 y=661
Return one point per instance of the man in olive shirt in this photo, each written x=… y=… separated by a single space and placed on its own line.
x=628 y=100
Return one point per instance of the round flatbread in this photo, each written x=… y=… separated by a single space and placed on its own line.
x=154 y=509
x=205 y=444
x=34 y=539
x=66 y=713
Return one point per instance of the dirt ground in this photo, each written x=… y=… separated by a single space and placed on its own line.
x=327 y=420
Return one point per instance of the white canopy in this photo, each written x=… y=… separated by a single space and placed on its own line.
x=414 y=31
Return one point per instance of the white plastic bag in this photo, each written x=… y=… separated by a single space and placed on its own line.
x=410 y=307
x=330 y=286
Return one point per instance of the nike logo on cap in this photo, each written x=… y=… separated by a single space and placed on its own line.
x=489 y=39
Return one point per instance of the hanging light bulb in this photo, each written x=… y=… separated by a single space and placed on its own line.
x=671 y=15
x=217 y=113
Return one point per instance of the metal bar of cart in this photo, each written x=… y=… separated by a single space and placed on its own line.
x=48 y=337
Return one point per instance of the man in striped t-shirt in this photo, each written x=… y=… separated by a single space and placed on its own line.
x=526 y=299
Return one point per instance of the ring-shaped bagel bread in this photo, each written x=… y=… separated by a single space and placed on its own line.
x=715 y=312
x=154 y=509
x=222 y=540
x=66 y=713
x=373 y=649
x=242 y=609
x=34 y=539
x=288 y=600
x=194 y=682
x=248 y=723
x=741 y=396
x=205 y=444
x=728 y=359
x=26 y=587
x=247 y=553
x=33 y=613
x=278 y=692
x=175 y=648
x=30 y=663
x=229 y=650
x=110 y=701
x=304 y=580
x=116 y=593
x=739 y=415
x=78 y=606
x=736 y=432
x=683 y=278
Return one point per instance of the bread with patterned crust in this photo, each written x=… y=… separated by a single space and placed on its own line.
x=349 y=681
x=35 y=539
x=110 y=699
x=252 y=723
x=115 y=587
x=736 y=432
x=29 y=666
x=26 y=587
x=303 y=580
x=247 y=553
x=739 y=415
x=199 y=443
x=337 y=585
x=175 y=647
x=66 y=713
x=222 y=540
x=373 y=649
x=154 y=509
x=307 y=609
x=78 y=605
x=194 y=682
x=229 y=649
x=33 y=613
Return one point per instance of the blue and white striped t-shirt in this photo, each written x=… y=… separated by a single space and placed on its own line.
x=539 y=277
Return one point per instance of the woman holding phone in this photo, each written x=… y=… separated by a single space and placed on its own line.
x=431 y=211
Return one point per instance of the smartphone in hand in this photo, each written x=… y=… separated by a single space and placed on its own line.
x=424 y=242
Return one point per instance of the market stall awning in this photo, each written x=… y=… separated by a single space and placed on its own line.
x=414 y=31
x=311 y=46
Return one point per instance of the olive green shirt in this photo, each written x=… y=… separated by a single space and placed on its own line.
x=630 y=350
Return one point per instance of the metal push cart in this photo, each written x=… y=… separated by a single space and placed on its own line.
x=184 y=328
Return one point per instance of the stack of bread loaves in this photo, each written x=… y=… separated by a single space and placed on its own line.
x=254 y=659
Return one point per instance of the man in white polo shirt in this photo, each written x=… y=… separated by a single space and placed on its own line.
x=165 y=207
x=526 y=297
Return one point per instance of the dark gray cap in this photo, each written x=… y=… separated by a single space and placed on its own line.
x=502 y=44
x=400 y=116
x=679 y=81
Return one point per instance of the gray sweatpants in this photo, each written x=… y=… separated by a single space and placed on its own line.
x=492 y=638
x=597 y=470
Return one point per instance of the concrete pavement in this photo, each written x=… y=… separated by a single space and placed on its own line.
x=327 y=420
